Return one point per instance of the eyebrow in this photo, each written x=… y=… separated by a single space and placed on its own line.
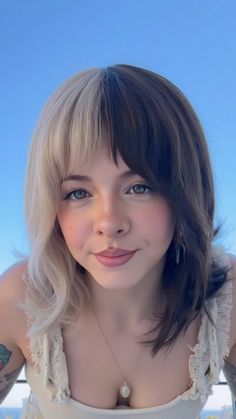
x=127 y=174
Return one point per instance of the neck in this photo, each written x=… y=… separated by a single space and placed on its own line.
x=128 y=310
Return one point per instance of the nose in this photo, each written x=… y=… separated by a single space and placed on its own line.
x=111 y=220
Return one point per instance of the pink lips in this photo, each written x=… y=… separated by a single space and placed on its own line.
x=114 y=257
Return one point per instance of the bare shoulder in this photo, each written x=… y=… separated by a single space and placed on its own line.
x=232 y=356
x=13 y=276
x=12 y=326
x=12 y=292
x=232 y=261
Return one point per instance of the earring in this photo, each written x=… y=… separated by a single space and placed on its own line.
x=180 y=248
x=180 y=251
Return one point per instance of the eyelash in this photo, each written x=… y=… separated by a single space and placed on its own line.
x=141 y=184
x=69 y=196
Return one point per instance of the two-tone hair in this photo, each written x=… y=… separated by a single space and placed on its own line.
x=142 y=117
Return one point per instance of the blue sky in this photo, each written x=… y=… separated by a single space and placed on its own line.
x=45 y=42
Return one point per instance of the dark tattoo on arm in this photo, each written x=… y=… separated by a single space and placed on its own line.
x=7 y=380
x=5 y=356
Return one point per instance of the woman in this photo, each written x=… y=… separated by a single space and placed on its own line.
x=124 y=306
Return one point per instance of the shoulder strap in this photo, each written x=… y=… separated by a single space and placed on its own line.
x=50 y=364
x=49 y=361
x=212 y=347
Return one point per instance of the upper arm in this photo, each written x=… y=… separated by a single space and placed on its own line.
x=232 y=355
x=11 y=319
x=11 y=363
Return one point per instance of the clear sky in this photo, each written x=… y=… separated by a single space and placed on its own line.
x=42 y=43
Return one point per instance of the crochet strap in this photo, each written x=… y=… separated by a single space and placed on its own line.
x=50 y=363
x=213 y=343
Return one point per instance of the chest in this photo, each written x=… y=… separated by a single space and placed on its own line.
x=96 y=370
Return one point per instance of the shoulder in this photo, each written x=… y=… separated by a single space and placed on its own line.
x=232 y=260
x=12 y=292
x=232 y=275
x=12 y=282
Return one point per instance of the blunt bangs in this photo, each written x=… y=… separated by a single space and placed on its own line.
x=122 y=111
x=136 y=114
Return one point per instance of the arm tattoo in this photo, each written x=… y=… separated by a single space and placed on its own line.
x=5 y=356
x=7 y=381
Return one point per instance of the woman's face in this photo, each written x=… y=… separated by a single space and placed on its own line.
x=104 y=207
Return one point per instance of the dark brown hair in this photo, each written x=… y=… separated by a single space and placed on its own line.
x=155 y=130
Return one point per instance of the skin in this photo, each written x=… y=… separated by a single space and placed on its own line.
x=5 y=356
x=6 y=380
x=230 y=374
x=109 y=211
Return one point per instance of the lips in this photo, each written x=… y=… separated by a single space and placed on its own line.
x=114 y=252
x=114 y=257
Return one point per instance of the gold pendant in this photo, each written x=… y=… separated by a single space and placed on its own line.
x=125 y=391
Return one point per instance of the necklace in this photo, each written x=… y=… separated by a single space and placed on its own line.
x=125 y=389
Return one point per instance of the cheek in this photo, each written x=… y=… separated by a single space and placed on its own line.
x=157 y=220
x=73 y=230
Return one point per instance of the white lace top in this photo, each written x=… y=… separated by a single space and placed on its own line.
x=50 y=392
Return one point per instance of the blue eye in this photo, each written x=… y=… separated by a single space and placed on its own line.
x=140 y=189
x=77 y=195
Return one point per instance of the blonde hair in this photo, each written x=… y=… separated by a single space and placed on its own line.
x=64 y=129
x=145 y=119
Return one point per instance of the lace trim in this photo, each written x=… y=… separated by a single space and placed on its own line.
x=212 y=348
x=49 y=360
x=208 y=354
x=50 y=363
